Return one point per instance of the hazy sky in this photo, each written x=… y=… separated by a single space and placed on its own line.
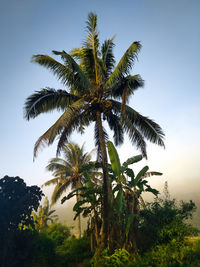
x=169 y=62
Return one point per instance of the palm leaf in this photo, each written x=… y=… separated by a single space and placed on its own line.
x=86 y=59
x=47 y=100
x=63 y=122
x=150 y=129
x=130 y=83
x=59 y=190
x=108 y=58
x=69 y=74
x=135 y=136
x=125 y=64
x=75 y=121
x=115 y=125
x=51 y=181
x=79 y=81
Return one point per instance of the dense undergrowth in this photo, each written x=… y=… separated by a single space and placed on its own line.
x=162 y=240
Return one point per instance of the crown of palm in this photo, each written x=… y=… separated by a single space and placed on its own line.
x=67 y=171
x=94 y=85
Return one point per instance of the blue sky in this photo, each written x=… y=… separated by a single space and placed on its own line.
x=169 y=62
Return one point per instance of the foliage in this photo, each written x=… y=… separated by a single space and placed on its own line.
x=74 y=251
x=96 y=91
x=172 y=254
x=58 y=232
x=43 y=251
x=120 y=258
x=43 y=215
x=67 y=171
x=164 y=220
x=17 y=201
x=126 y=191
x=94 y=84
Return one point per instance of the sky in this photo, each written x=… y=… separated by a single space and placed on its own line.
x=169 y=62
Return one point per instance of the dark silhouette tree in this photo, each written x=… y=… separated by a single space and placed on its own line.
x=17 y=201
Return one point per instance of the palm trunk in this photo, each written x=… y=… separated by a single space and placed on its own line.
x=79 y=218
x=106 y=184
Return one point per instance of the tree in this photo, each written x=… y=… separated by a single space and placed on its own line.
x=126 y=195
x=44 y=215
x=17 y=201
x=94 y=87
x=67 y=172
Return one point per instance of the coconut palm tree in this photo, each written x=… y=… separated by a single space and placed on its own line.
x=96 y=90
x=67 y=172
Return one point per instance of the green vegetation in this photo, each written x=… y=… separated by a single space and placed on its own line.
x=43 y=216
x=122 y=229
x=159 y=228
x=97 y=90
x=67 y=172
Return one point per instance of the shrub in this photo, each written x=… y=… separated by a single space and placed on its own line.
x=163 y=220
x=58 y=232
x=120 y=257
x=74 y=251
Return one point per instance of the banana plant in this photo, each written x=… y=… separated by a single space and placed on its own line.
x=44 y=215
x=90 y=204
x=125 y=176
x=127 y=189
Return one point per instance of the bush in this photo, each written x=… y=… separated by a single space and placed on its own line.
x=58 y=232
x=120 y=257
x=163 y=220
x=74 y=251
x=43 y=250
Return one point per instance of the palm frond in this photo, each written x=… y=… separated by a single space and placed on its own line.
x=149 y=129
x=135 y=136
x=69 y=74
x=75 y=122
x=47 y=100
x=59 y=190
x=115 y=125
x=92 y=42
x=125 y=64
x=57 y=164
x=107 y=55
x=145 y=126
x=63 y=122
x=79 y=81
x=131 y=82
x=86 y=59
x=55 y=180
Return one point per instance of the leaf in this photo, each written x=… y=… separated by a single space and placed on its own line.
x=130 y=173
x=114 y=158
x=119 y=201
x=152 y=190
x=141 y=174
x=149 y=174
x=79 y=204
x=121 y=179
x=132 y=160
